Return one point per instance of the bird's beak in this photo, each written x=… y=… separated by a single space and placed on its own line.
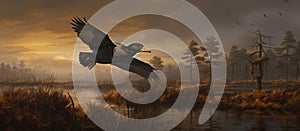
x=146 y=51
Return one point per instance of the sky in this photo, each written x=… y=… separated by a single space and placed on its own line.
x=39 y=32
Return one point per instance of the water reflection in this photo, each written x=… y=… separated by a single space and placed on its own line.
x=225 y=120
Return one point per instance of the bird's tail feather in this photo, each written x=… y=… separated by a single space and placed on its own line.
x=87 y=59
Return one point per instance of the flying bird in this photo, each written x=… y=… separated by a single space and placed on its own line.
x=108 y=52
x=265 y=15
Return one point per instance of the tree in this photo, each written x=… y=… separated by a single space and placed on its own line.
x=191 y=53
x=238 y=62
x=271 y=66
x=233 y=59
x=296 y=60
x=258 y=58
x=22 y=65
x=172 y=71
x=157 y=62
x=213 y=49
x=279 y=67
x=243 y=63
x=213 y=53
x=2 y=71
x=286 y=51
x=7 y=71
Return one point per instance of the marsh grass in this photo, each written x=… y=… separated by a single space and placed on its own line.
x=278 y=100
x=39 y=108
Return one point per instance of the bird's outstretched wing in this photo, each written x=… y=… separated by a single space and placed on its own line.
x=90 y=35
x=138 y=67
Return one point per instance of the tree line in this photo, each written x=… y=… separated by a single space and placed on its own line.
x=283 y=60
x=21 y=72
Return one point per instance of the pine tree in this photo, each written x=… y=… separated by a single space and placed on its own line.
x=22 y=65
x=238 y=63
x=296 y=60
x=270 y=68
x=286 y=51
x=157 y=62
x=2 y=71
x=213 y=53
x=233 y=60
x=192 y=52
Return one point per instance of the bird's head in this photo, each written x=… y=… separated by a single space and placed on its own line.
x=136 y=47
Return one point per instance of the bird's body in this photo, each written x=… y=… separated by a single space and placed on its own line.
x=107 y=52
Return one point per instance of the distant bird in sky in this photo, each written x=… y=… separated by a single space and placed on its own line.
x=104 y=51
x=265 y=15
x=280 y=13
x=287 y=1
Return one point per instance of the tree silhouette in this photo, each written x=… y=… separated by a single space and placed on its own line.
x=233 y=59
x=271 y=66
x=296 y=60
x=20 y=72
x=190 y=54
x=22 y=65
x=157 y=62
x=258 y=58
x=213 y=53
x=172 y=71
x=286 y=51
x=238 y=62
x=213 y=49
x=2 y=70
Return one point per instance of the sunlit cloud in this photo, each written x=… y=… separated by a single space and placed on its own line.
x=36 y=52
x=9 y=23
x=36 y=14
x=59 y=58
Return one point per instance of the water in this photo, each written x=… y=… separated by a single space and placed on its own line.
x=225 y=120
x=240 y=89
x=231 y=120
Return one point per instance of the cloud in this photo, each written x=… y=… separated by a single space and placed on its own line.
x=9 y=23
x=7 y=51
x=36 y=14
x=145 y=22
x=60 y=58
x=40 y=52
x=57 y=64
x=40 y=31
